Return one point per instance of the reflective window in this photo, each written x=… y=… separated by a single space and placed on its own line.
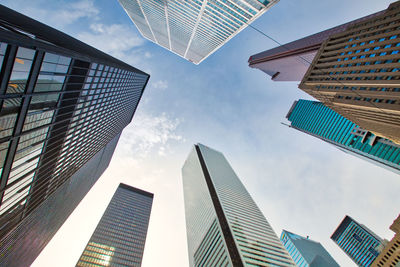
x=21 y=69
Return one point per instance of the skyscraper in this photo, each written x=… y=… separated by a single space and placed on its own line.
x=390 y=254
x=120 y=236
x=193 y=29
x=224 y=225
x=289 y=62
x=356 y=73
x=352 y=68
x=63 y=106
x=314 y=118
x=357 y=241
x=306 y=252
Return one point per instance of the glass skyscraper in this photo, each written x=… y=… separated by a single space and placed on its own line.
x=224 y=225
x=357 y=241
x=306 y=252
x=120 y=236
x=316 y=119
x=63 y=105
x=193 y=29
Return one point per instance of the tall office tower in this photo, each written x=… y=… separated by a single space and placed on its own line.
x=357 y=241
x=314 y=118
x=306 y=252
x=120 y=236
x=390 y=255
x=63 y=106
x=224 y=225
x=193 y=29
x=289 y=62
x=356 y=73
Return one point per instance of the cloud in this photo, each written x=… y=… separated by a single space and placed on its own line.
x=115 y=39
x=57 y=15
x=77 y=10
x=161 y=84
x=148 y=134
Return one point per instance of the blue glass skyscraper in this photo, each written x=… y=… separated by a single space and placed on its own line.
x=316 y=119
x=357 y=241
x=306 y=252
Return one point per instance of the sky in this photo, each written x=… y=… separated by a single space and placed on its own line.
x=300 y=183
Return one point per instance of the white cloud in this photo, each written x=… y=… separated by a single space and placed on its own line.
x=76 y=10
x=60 y=15
x=115 y=39
x=161 y=84
x=149 y=133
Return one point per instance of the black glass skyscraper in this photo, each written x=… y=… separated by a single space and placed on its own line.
x=120 y=236
x=63 y=105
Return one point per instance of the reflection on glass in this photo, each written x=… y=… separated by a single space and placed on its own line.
x=3 y=154
x=52 y=73
x=37 y=118
x=26 y=160
x=96 y=254
x=3 y=48
x=21 y=69
x=8 y=116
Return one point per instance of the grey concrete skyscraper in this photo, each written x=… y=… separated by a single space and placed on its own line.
x=224 y=225
x=63 y=106
x=193 y=29
x=120 y=236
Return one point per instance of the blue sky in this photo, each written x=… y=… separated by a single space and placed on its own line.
x=299 y=182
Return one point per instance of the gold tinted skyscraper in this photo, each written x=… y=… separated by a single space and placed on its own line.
x=120 y=236
x=224 y=225
x=193 y=29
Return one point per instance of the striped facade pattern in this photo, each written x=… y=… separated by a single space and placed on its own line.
x=357 y=74
x=316 y=119
x=204 y=256
x=253 y=237
x=306 y=252
x=193 y=29
x=30 y=237
x=357 y=241
x=293 y=251
x=120 y=236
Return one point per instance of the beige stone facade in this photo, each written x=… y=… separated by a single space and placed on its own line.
x=390 y=256
x=357 y=74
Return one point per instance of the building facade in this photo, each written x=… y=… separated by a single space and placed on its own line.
x=357 y=241
x=193 y=29
x=356 y=73
x=316 y=119
x=306 y=252
x=224 y=225
x=62 y=103
x=120 y=236
x=290 y=62
x=390 y=254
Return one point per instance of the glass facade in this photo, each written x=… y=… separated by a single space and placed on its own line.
x=120 y=236
x=316 y=119
x=193 y=29
x=306 y=252
x=357 y=241
x=224 y=225
x=61 y=103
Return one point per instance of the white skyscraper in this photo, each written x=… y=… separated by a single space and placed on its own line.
x=193 y=29
x=224 y=225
